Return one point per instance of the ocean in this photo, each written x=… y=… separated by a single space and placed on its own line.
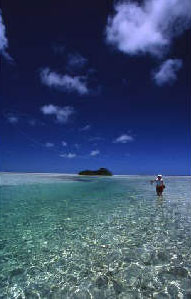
x=67 y=236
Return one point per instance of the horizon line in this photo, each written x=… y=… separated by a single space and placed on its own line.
x=62 y=173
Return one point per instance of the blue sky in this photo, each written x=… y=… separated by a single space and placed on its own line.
x=95 y=85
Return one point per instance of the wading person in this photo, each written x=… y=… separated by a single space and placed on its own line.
x=159 y=184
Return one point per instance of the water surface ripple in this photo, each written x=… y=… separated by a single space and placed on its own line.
x=81 y=238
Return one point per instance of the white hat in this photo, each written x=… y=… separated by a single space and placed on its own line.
x=160 y=175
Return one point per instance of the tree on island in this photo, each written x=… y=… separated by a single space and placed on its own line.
x=101 y=171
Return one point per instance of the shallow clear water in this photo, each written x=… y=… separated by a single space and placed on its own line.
x=84 y=237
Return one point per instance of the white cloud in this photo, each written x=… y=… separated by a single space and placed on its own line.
x=3 y=40
x=85 y=128
x=64 y=82
x=95 y=153
x=62 y=114
x=69 y=155
x=167 y=71
x=76 y=61
x=123 y=139
x=148 y=27
x=12 y=119
x=49 y=144
x=49 y=109
x=64 y=143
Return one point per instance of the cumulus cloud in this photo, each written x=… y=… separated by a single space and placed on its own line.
x=95 y=153
x=69 y=155
x=64 y=82
x=148 y=27
x=3 y=40
x=76 y=61
x=12 y=119
x=85 y=128
x=167 y=71
x=62 y=114
x=123 y=139
x=64 y=143
x=49 y=144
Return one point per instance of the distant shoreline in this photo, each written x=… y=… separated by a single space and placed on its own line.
x=76 y=174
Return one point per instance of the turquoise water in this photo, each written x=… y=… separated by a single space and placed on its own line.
x=83 y=237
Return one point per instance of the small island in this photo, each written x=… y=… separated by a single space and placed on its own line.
x=101 y=171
